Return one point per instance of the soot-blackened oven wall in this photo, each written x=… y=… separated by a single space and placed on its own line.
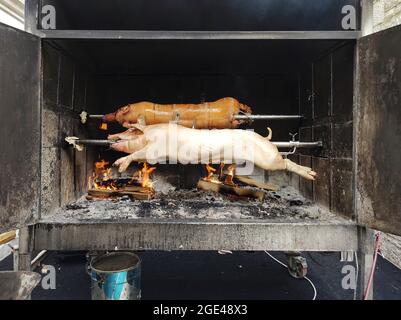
x=311 y=78
x=68 y=88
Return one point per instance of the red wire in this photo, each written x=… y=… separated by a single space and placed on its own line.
x=372 y=271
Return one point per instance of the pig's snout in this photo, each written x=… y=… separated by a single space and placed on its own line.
x=110 y=117
x=120 y=146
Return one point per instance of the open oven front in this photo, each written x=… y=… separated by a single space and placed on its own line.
x=312 y=79
x=336 y=94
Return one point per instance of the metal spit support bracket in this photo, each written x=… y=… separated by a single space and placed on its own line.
x=176 y=118
x=294 y=149
x=84 y=117
x=293 y=135
x=141 y=120
x=73 y=141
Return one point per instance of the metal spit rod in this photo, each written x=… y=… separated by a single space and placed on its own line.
x=95 y=142
x=237 y=116
x=95 y=116
x=265 y=117
x=298 y=144
x=289 y=144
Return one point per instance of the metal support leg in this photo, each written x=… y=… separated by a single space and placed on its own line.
x=365 y=260
x=25 y=248
x=15 y=259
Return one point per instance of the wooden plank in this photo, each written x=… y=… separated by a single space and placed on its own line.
x=139 y=195
x=100 y=193
x=131 y=188
x=233 y=190
x=7 y=236
x=258 y=184
x=145 y=194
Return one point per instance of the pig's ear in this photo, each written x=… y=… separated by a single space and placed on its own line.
x=135 y=126
x=140 y=127
x=124 y=110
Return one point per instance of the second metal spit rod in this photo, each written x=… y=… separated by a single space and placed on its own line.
x=289 y=144
x=94 y=142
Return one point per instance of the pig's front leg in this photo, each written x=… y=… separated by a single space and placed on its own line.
x=130 y=146
x=124 y=162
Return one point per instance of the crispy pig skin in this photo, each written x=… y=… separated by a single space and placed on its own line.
x=209 y=115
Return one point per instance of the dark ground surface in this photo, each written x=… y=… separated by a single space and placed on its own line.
x=210 y=275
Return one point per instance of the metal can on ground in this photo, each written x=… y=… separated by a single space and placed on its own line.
x=116 y=276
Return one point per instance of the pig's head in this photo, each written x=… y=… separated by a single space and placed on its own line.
x=120 y=115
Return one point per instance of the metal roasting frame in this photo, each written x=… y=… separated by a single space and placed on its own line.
x=141 y=234
x=196 y=35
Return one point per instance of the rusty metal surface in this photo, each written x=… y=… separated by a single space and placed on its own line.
x=17 y=285
x=19 y=127
x=151 y=234
x=322 y=186
x=378 y=131
x=341 y=187
x=342 y=82
x=331 y=80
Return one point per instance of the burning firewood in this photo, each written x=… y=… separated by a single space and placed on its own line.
x=210 y=174
x=107 y=194
x=230 y=175
x=230 y=190
x=223 y=183
x=103 y=185
x=258 y=184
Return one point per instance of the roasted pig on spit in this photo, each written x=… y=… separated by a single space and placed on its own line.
x=172 y=142
x=218 y=114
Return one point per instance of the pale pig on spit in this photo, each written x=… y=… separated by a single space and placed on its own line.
x=156 y=143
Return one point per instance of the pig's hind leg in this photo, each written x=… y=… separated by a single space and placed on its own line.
x=305 y=172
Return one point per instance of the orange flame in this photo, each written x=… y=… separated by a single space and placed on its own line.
x=230 y=175
x=211 y=177
x=100 y=165
x=101 y=178
x=210 y=171
x=145 y=176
